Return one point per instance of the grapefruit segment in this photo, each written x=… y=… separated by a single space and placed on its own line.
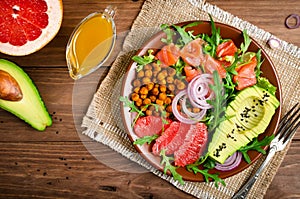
x=150 y=125
x=27 y=26
x=164 y=140
x=193 y=145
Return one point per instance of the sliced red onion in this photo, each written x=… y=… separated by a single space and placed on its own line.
x=198 y=89
x=232 y=162
x=197 y=93
x=186 y=116
x=274 y=43
x=292 y=16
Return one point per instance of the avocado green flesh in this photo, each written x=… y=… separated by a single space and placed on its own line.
x=30 y=108
x=249 y=114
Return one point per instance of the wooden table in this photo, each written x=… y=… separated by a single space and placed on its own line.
x=56 y=163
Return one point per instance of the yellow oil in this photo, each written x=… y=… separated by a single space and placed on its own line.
x=90 y=44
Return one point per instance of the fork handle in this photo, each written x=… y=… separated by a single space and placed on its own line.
x=243 y=192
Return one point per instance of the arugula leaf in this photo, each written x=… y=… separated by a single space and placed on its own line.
x=244 y=46
x=256 y=145
x=130 y=104
x=185 y=36
x=146 y=139
x=229 y=86
x=219 y=103
x=166 y=162
x=264 y=83
x=207 y=175
x=143 y=60
x=212 y=41
x=169 y=33
x=215 y=33
x=209 y=163
x=179 y=65
x=259 y=63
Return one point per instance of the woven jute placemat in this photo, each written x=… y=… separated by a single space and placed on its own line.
x=102 y=121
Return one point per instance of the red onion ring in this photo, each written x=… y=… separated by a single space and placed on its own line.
x=291 y=16
x=198 y=89
x=232 y=162
x=186 y=116
x=197 y=92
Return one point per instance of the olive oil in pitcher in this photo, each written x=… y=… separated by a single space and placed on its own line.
x=91 y=43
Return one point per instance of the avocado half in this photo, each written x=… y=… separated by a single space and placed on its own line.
x=30 y=108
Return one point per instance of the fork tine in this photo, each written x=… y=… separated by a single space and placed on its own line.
x=284 y=121
x=293 y=127
x=288 y=129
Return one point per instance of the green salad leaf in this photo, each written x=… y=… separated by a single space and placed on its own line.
x=219 y=103
x=146 y=139
x=169 y=33
x=205 y=172
x=264 y=83
x=166 y=161
x=256 y=145
x=244 y=46
x=186 y=37
x=143 y=60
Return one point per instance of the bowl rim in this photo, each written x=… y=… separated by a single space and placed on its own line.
x=253 y=154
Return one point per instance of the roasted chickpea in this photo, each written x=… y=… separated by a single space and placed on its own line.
x=170 y=80
x=155 y=91
x=171 y=87
x=168 y=100
x=136 y=89
x=150 y=86
x=147 y=67
x=136 y=83
x=178 y=107
x=171 y=71
x=146 y=80
x=163 y=82
x=143 y=96
x=152 y=98
x=144 y=91
x=139 y=102
x=135 y=97
x=169 y=109
x=154 y=74
x=180 y=85
x=156 y=67
x=162 y=96
x=146 y=101
x=162 y=88
x=159 y=102
x=196 y=110
x=148 y=73
x=151 y=108
x=165 y=72
x=148 y=112
x=140 y=74
x=161 y=76
x=168 y=114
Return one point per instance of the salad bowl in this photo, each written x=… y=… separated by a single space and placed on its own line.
x=155 y=44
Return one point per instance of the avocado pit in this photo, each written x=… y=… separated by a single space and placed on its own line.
x=9 y=87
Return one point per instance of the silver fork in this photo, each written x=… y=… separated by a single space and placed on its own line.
x=286 y=129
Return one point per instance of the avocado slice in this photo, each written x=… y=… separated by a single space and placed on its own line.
x=249 y=114
x=30 y=107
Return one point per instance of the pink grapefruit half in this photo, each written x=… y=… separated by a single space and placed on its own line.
x=28 y=25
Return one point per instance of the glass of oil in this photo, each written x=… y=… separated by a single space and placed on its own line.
x=91 y=43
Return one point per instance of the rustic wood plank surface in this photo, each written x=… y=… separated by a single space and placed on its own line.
x=57 y=164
